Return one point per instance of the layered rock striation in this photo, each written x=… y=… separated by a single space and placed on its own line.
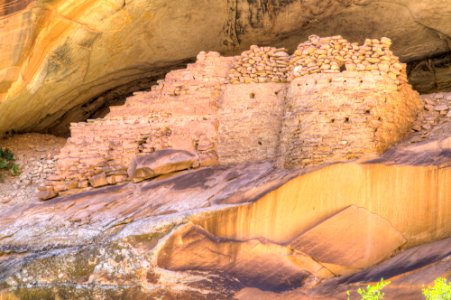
x=248 y=198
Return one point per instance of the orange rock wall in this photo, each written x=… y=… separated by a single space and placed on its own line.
x=413 y=199
x=11 y=6
x=334 y=221
x=17 y=30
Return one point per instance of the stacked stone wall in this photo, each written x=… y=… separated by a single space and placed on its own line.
x=107 y=147
x=260 y=65
x=190 y=91
x=332 y=117
x=250 y=121
x=341 y=102
x=179 y=113
x=335 y=54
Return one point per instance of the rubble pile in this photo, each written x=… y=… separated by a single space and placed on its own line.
x=260 y=65
x=336 y=54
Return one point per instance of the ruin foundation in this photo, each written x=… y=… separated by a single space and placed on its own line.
x=331 y=100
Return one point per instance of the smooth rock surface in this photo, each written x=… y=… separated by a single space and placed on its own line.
x=365 y=240
x=252 y=262
x=408 y=272
x=139 y=239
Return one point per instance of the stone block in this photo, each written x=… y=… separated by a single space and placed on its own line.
x=46 y=193
x=98 y=180
x=83 y=184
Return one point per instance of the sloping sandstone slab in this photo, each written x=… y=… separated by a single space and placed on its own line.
x=350 y=240
x=408 y=272
x=243 y=212
x=253 y=262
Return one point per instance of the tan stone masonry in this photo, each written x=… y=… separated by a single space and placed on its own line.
x=178 y=113
x=250 y=121
x=332 y=117
x=314 y=118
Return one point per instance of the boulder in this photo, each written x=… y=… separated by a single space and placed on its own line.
x=160 y=163
x=46 y=193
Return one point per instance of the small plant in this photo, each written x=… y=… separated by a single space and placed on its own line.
x=440 y=290
x=372 y=292
x=7 y=162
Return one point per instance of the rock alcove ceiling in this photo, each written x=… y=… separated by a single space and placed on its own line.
x=58 y=57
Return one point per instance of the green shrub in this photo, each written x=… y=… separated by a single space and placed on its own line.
x=440 y=290
x=7 y=162
x=372 y=292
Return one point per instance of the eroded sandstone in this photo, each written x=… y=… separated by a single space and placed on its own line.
x=219 y=219
x=134 y=233
x=152 y=235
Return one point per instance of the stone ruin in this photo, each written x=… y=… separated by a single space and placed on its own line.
x=331 y=100
x=260 y=65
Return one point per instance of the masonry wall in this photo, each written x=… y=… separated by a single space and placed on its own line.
x=250 y=121
x=187 y=92
x=108 y=146
x=179 y=113
x=335 y=107
x=341 y=116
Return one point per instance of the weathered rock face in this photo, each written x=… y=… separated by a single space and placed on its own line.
x=207 y=233
x=246 y=229
x=61 y=54
x=407 y=272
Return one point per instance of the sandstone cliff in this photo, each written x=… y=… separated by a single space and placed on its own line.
x=280 y=173
x=241 y=230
